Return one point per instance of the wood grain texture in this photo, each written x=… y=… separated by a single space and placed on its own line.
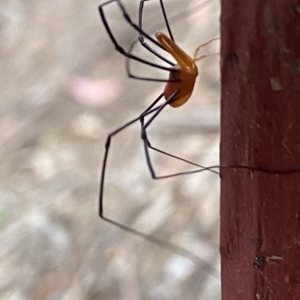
x=260 y=226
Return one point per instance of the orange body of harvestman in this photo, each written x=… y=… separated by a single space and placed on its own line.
x=184 y=80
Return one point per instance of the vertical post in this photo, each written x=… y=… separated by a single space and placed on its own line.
x=260 y=210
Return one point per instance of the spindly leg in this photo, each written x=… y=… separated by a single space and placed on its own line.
x=120 y=48
x=148 y=111
x=141 y=35
x=148 y=146
x=166 y=20
x=130 y=75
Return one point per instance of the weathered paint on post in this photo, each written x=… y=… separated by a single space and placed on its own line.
x=260 y=211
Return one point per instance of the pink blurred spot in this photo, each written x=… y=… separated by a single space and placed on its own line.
x=94 y=92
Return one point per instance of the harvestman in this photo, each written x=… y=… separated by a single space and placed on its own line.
x=178 y=90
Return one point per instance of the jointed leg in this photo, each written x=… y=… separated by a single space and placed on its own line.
x=149 y=110
x=121 y=49
x=141 y=35
x=148 y=146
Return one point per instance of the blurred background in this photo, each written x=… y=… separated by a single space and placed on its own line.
x=63 y=89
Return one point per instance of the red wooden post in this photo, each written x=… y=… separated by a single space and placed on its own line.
x=260 y=211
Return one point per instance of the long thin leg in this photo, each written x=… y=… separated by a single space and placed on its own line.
x=155 y=111
x=149 y=110
x=145 y=138
x=147 y=145
x=141 y=37
x=121 y=49
x=130 y=75
x=167 y=245
x=179 y=158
